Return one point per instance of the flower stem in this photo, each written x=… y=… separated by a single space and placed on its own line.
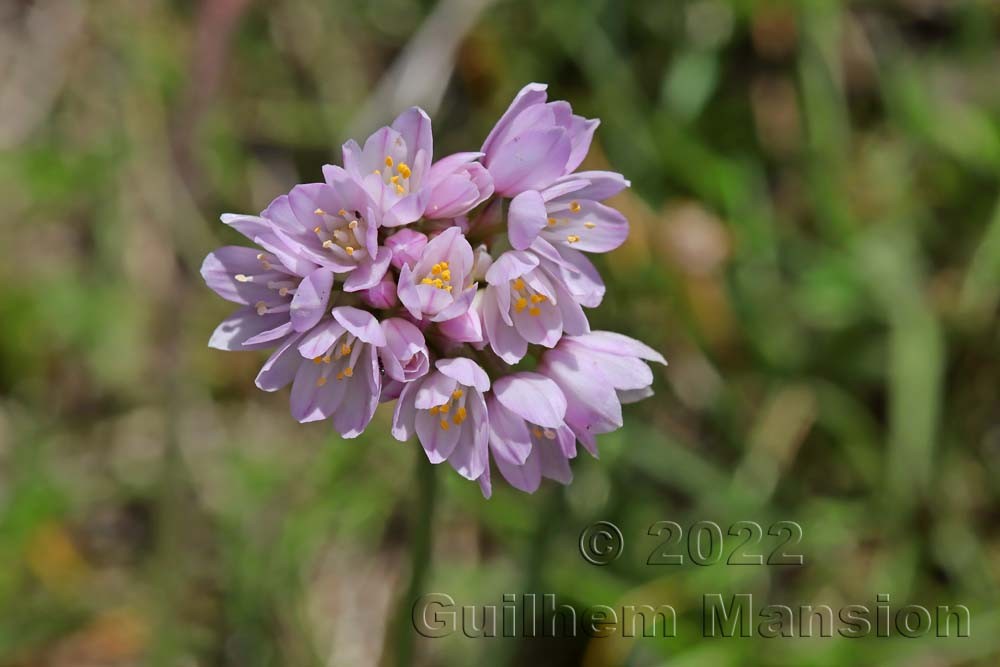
x=420 y=557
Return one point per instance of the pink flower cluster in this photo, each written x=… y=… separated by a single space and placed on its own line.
x=401 y=278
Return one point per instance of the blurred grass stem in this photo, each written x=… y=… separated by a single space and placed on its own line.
x=420 y=556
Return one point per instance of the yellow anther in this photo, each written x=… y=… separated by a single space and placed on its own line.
x=537 y=432
x=377 y=171
x=327 y=359
x=317 y=229
x=283 y=291
x=353 y=224
x=459 y=416
x=549 y=434
x=552 y=221
x=348 y=372
x=260 y=257
x=328 y=244
x=534 y=311
x=444 y=265
x=572 y=238
x=240 y=278
x=320 y=381
x=445 y=407
x=537 y=298
x=349 y=250
x=589 y=225
x=319 y=211
x=434 y=410
x=403 y=169
x=340 y=375
x=400 y=189
x=436 y=269
x=317 y=360
x=520 y=304
x=342 y=213
x=446 y=275
x=574 y=206
x=518 y=284
x=457 y=394
x=261 y=307
x=388 y=161
x=447 y=288
x=444 y=425
x=345 y=349
x=438 y=283
x=427 y=281
x=394 y=179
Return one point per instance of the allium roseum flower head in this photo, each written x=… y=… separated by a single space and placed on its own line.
x=403 y=279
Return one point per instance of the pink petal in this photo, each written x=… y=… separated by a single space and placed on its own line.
x=525 y=218
x=532 y=397
x=311 y=299
x=465 y=371
x=530 y=95
x=361 y=323
x=531 y=161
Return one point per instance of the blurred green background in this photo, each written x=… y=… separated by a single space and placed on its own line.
x=815 y=249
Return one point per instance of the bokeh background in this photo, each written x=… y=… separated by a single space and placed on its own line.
x=816 y=250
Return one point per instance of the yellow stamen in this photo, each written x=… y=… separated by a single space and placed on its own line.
x=261 y=307
x=537 y=298
x=240 y=278
x=589 y=225
x=345 y=349
x=340 y=375
x=572 y=238
x=520 y=304
x=388 y=161
x=319 y=211
x=342 y=213
x=518 y=284
x=445 y=407
x=444 y=425
x=537 y=432
x=327 y=359
x=400 y=189
x=534 y=312
x=438 y=283
x=349 y=250
x=444 y=265
x=446 y=275
x=436 y=269
x=574 y=206
x=426 y=281
x=457 y=394
x=459 y=416
x=377 y=171
x=320 y=381
x=353 y=224
x=403 y=169
x=317 y=360
x=348 y=372
x=447 y=288
x=552 y=221
x=317 y=229
x=434 y=410
x=394 y=179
